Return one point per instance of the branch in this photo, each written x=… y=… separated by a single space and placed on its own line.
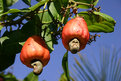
x=19 y=21
x=81 y=3
x=26 y=16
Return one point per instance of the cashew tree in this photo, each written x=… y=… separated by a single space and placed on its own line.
x=47 y=19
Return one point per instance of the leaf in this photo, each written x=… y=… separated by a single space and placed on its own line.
x=31 y=77
x=32 y=27
x=106 y=17
x=8 y=3
x=14 y=11
x=38 y=5
x=46 y=34
x=63 y=77
x=25 y=10
x=5 y=59
x=65 y=65
x=95 y=2
x=9 y=77
x=38 y=0
x=86 y=4
x=2 y=39
x=9 y=47
x=98 y=22
x=65 y=2
x=1 y=6
x=54 y=9
x=1 y=26
x=28 y=2
x=21 y=43
x=46 y=18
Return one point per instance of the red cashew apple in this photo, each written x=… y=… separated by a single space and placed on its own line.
x=35 y=54
x=75 y=34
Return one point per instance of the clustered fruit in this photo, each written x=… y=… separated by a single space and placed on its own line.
x=35 y=54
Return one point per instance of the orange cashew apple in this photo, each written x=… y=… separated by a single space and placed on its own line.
x=35 y=54
x=75 y=34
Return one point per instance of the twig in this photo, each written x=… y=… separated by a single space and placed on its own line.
x=81 y=3
x=19 y=21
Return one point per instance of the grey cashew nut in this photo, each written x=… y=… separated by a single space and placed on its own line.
x=74 y=45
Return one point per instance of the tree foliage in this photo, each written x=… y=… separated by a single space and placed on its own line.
x=46 y=18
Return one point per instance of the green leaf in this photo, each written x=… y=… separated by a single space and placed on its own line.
x=21 y=43
x=14 y=11
x=6 y=59
x=65 y=2
x=9 y=47
x=63 y=77
x=8 y=3
x=4 y=55
x=55 y=10
x=1 y=6
x=65 y=65
x=28 y=2
x=25 y=10
x=2 y=39
x=95 y=2
x=32 y=27
x=38 y=0
x=46 y=34
x=86 y=4
x=1 y=26
x=9 y=77
x=98 y=22
x=46 y=18
x=105 y=16
x=38 y=5
x=31 y=77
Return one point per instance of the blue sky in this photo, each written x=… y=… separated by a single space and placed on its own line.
x=54 y=69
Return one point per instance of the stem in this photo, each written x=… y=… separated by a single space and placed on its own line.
x=74 y=45
x=65 y=14
x=81 y=3
x=43 y=11
x=38 y=67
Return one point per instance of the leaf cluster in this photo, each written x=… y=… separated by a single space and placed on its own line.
x=46 y=18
